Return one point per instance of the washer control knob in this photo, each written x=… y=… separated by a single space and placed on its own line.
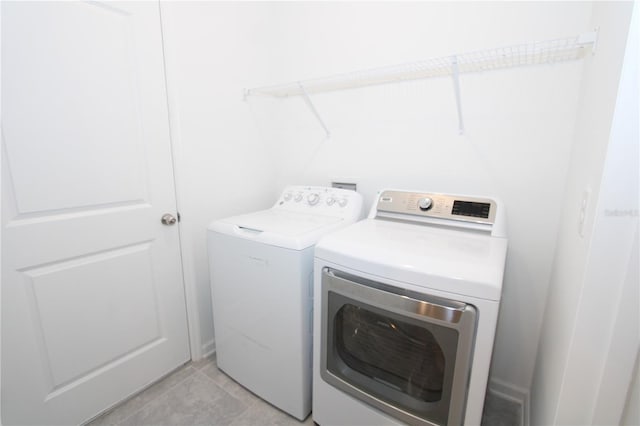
x=342 y=202
x=425 y=203
x=313 y=199
x=331 y=201
x=288 y=196
x=298 y=197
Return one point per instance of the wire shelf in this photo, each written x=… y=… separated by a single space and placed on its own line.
x=544 y=52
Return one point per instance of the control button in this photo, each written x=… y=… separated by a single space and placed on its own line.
x=313 y=199
x=330 y=201
x=342 y=202
x=425 y=203
x=298 y=197
x=288 y=196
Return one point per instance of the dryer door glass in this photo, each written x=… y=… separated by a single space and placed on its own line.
x=405 y=353
x=405 y=356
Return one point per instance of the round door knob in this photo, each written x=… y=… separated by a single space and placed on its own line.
x=168 y=219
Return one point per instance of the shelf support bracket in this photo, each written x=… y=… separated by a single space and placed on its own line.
x=313 y=109
x=590 y=38
x=455 y=75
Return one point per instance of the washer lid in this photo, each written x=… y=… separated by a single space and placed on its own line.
x=445 y=259
x=280 y=228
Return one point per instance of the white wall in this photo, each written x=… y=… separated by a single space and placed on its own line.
x=224 y=164
x=590 y=310
x=519 y=126
x=631 y=414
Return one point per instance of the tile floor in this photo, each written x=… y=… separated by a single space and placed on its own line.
x=200 y=394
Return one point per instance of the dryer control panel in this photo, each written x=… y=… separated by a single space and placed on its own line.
x=396 y=204
x=334 y=202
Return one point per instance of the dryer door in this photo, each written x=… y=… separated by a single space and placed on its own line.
x=406 y=353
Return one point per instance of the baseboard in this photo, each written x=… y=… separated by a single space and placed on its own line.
x=513 y=393
x=208 y=348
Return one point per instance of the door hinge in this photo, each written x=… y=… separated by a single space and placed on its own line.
x=178 y=214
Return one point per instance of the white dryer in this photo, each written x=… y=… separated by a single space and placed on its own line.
x=261 y=268
x=406 y=304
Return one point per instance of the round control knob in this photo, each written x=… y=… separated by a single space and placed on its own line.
x=342 y=202
x=313 y=199
x=298 y=197
x=331 y=201
x=425 y=203
x=288 y=196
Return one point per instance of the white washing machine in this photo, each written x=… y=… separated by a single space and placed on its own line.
x=261 y=267
x=406 y=304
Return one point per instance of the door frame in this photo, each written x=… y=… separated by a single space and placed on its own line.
x=189 y=279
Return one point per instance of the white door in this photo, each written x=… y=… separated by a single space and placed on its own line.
x=93 y=306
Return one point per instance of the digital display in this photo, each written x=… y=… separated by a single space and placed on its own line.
x=469 y=208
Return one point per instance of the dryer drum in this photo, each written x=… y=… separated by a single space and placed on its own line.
x=405 y=356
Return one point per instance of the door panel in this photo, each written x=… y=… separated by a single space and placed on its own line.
x=67 y=56
x=114 y=287
x=92 y=296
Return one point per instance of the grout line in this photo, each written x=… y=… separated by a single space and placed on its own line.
x=204 y=362
x=255 y=399
x=225 y=390
x=188 y=366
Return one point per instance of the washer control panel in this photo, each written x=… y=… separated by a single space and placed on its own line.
x=439 y=206
x=320 y=200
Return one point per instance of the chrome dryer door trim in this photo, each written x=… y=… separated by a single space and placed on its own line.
x=423 y=308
